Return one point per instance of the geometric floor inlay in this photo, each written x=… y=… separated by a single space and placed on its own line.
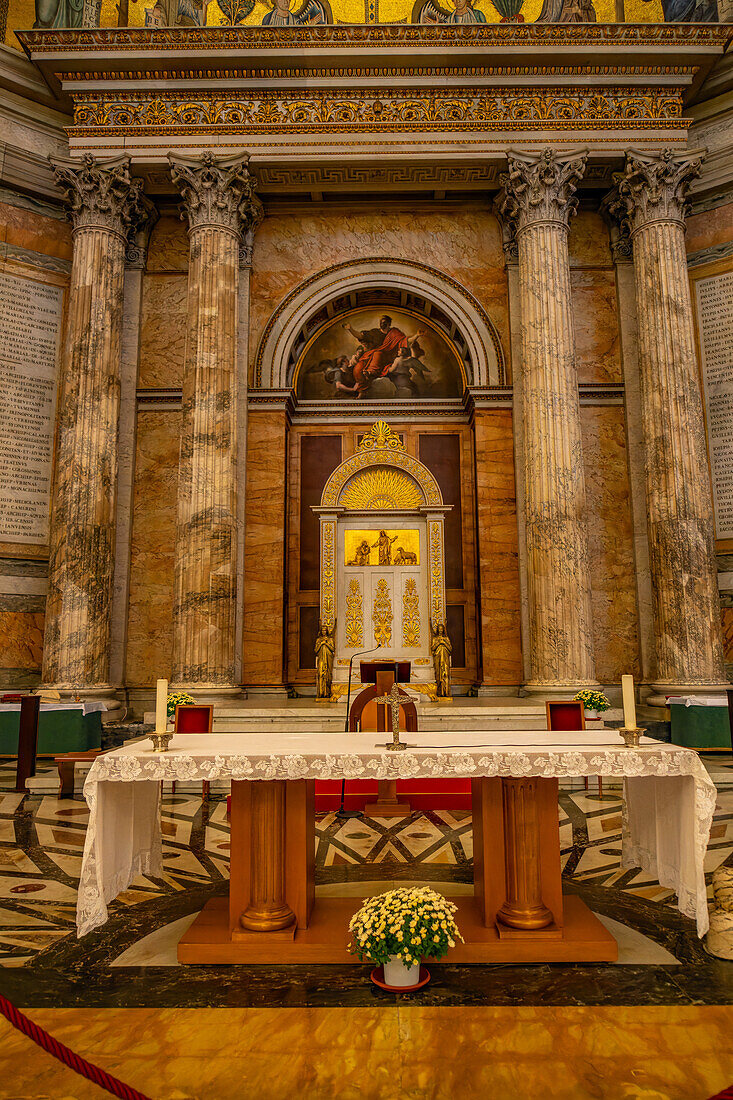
x=130 y=961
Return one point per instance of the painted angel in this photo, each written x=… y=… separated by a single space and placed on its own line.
x=464 y=12
x=309 y=14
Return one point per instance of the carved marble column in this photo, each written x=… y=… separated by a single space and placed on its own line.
x=651 y=193
x=535 y=206
x=106 y=207
x=222 y=212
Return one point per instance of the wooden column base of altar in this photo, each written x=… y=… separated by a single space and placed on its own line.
x=516 y=914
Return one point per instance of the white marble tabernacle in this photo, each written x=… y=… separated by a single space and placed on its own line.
x=669 y=797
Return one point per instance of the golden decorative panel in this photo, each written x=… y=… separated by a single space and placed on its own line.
x=410 y=615
x=328 y=531
x=354 y=615
x=380 y=490
x=364 y=547
x=382 y=615
x=435 y=544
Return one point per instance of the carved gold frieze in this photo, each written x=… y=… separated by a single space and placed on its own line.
x=314 y=110
x=354 y=615
x=410 y=615
x=382 y=614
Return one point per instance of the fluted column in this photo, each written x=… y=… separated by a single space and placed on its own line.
x=651 y=193
x=106 y=206
x=535 y=206
x=221 y=209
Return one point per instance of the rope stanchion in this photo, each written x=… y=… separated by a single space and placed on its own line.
x=64 y=1054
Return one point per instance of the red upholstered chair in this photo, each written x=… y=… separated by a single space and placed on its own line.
x=194 y=718
x=569 y=714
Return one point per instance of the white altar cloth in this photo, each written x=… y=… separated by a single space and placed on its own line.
x=668 y=805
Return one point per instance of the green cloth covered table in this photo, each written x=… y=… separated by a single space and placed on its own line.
x=68 y=730
x=700 y=727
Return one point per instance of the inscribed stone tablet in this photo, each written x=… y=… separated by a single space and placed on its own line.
x=30 y=325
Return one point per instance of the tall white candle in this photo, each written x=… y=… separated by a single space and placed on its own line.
x=161 y=706
x=627 y=689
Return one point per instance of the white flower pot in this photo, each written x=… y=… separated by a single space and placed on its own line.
x=591 y=715
x=398 y=975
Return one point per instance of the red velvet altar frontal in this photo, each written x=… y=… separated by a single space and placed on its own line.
x=422 y=794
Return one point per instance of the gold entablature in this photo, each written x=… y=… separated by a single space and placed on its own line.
x=381 y=490
x=361 y=110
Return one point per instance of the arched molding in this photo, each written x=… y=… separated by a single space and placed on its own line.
x=339 y=480
x=276 y=353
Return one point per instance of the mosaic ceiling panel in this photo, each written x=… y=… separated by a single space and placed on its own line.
x=25 y=14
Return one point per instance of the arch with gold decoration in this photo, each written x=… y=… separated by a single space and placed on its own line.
x=385 y=485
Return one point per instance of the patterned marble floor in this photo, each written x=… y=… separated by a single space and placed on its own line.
x=131 y=961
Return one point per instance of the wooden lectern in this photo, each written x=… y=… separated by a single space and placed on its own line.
x=368 y=714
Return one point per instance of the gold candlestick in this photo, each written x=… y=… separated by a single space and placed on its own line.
x=632 y=735
x=160 y=740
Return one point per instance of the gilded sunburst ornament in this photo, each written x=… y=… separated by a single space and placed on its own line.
x=379 y=490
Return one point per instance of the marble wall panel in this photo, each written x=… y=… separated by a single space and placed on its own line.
x=21 y=640
x=464 y=243
x=26 y=229
x=150 y=617
x=264 y=550
x=588 y=243
x=163 y=331
x=595 y=316
x=168 y=248
x=497 y=548
x=709 y=228
x=610 y=542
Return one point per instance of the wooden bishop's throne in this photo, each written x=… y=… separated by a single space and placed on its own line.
x=371 y=710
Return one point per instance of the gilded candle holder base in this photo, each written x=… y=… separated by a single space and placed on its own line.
x=160 y=741
x=393 y=746
x=632 y=735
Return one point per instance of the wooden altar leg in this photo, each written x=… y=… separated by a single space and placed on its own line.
x=523 y=907
x=267 y=910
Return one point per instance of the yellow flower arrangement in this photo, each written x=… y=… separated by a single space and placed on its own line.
x=177 y=698
x=412 y=924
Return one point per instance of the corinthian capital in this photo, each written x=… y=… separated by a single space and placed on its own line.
x=655 y=187
x=538 y=189
x=101 y=194
x=217 y=191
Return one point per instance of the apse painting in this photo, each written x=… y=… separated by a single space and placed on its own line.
x=379 y=355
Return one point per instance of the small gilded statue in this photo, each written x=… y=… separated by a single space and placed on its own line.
x=325 y=647
x=441 y=649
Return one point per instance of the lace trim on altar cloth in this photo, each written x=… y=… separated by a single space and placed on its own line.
x=618 y=763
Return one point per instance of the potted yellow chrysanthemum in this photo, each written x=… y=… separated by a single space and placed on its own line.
x=401 y=928
x=594 y=702
x=177 y=699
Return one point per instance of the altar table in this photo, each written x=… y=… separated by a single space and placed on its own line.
x=517 y=913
